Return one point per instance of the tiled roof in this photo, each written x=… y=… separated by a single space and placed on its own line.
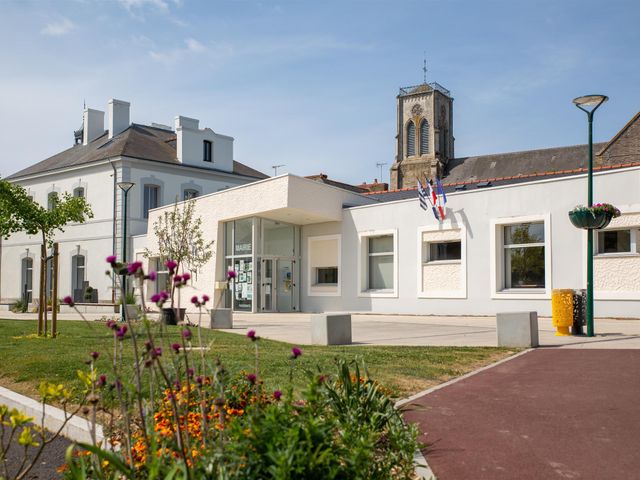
x=137 y=141
x=407 y=193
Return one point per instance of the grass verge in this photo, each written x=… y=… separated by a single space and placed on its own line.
x=26 y=360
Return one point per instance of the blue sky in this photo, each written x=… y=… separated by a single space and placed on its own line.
x=312 y=84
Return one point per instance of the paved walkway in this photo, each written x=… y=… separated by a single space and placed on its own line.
x=372 y=329
x=547 y=414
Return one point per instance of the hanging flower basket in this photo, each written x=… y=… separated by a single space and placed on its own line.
x=593 y=218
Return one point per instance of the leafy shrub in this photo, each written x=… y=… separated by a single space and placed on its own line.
x=182 y=416
x=20 y=306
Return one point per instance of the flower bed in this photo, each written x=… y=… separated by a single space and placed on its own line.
x=181 y=414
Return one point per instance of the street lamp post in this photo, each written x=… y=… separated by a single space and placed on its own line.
x=125 y=187
x=589 y=104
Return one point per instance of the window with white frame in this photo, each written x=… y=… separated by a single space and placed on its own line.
x=449 y=251
x=380 y=262
x=151 y=199
x=326 y=276
x=78 y=192
x=617 y=241
x=524 y=255
x=52 y=200
x=189 y=193
x=77 y=274
x=26 y=286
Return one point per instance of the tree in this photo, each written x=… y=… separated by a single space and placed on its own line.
x=20 y=213
x=181 y=239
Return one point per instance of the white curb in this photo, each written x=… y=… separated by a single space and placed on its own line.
x=77 y=429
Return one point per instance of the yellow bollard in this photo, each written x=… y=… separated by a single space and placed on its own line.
x=562 y=310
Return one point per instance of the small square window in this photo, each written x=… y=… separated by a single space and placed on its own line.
x=445 y=251
x=327 y=276
x=207 y=155
x=615 y=241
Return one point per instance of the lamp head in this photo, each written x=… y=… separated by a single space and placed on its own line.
x=589 y=103
x=125 y=186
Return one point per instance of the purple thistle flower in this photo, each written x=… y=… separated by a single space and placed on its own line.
x=152 y=276
x=164 y=295
x=176 y=347
x=231 y=274
x=171 y=265
x=112 y=259
x=194 y=300
x=148 y=345
x=94 y=355
x=121 y=332
x=200 y=380
x=133 y=267
x=295 y=352
x=156 y=352
x=277 y=395
x=111 y=324
x=156 y=298
x=68 y=301
x=186 y=276
x=251 y=334
x=186 y=334
x=102 y=381
x=190 y=372
x=205 y=298
x=177 y=279
x=251 y=378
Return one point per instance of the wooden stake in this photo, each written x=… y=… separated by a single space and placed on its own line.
x=41 y=299
x=54 y=302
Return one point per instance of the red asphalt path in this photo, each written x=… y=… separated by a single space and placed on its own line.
x=547 y=414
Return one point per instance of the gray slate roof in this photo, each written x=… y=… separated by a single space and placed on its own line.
x=515 y=164
x=137 y=141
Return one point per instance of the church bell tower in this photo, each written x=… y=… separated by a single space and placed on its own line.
x=424 y=140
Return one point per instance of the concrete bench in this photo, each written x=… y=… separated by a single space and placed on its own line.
x=517 y=329
x=221 y=318
x=331 y=329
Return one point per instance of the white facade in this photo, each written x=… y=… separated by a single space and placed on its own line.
x=101 y=235
x=336 y=227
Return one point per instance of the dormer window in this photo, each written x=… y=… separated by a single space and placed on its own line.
x=78 y=192
x=207 y=151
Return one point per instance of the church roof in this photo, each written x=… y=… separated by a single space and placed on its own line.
x=517 y=164
x=137 y=141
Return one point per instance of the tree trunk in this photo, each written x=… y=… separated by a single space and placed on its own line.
x=54 y=300
x=43 y=265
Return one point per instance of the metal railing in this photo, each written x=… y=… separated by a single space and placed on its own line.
x=416 y=89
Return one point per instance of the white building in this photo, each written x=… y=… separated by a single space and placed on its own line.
x=505 y=244
x=165 y=163
x=299 y=244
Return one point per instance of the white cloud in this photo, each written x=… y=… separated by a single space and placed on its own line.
x=132 y=5
x=194 y=45
x=173 y=55
x=56 y=29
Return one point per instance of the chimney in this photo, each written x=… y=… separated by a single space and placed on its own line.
x=93 y=125
x=182 y=144
x=118 y=116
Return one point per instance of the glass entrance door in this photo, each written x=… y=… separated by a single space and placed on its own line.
x=284 y=286
x=277 y=285
x=266 y=285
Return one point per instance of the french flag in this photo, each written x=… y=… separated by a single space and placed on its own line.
x=443 y=196
x=433 y=200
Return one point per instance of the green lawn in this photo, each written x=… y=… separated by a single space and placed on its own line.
x=25 y=360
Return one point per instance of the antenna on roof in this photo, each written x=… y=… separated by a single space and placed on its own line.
x=380 y=165
x=424 y=67
x=84 y=104
x=275 y=169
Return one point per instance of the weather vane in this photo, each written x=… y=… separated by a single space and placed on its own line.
x=424 y=67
